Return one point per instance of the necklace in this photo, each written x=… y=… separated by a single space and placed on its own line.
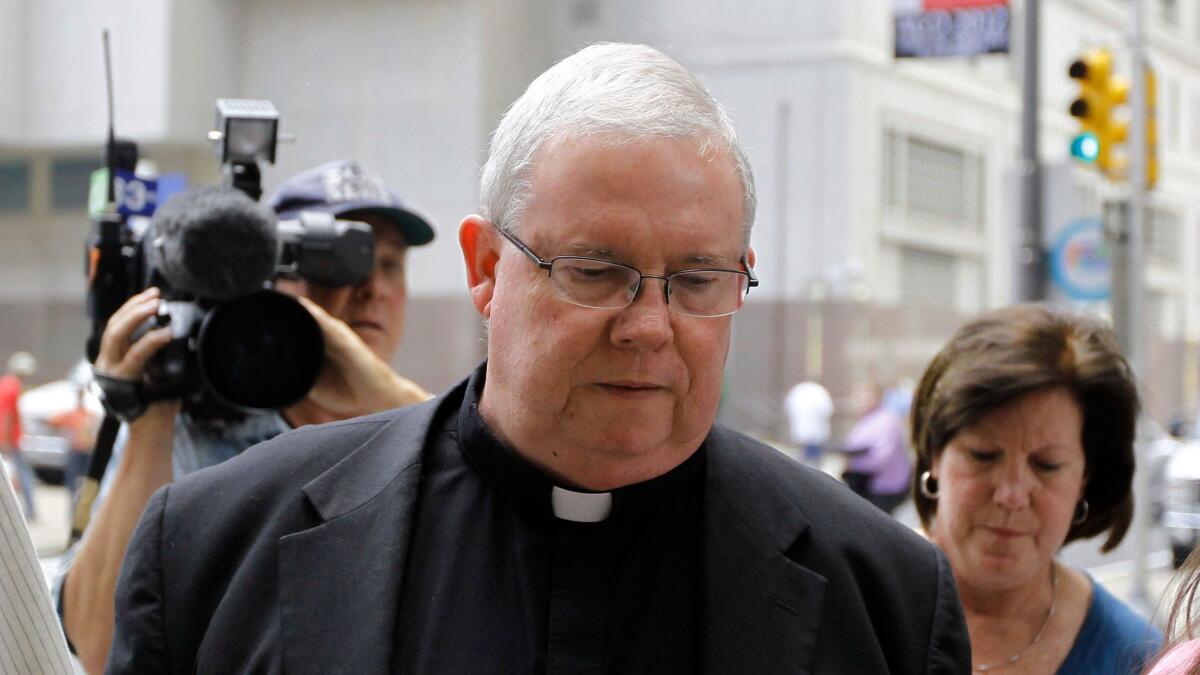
x=1012 y=660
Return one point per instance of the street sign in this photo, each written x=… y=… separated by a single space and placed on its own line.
x=1081 y=262
x=935 y=28
x=134 y=196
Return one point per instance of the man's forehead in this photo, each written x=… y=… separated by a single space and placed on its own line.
x=675 y=185
x=687 y=252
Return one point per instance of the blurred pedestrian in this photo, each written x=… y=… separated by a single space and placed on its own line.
x=1024 y=429
x=878 y=467
x=79 y=426
x=21 y=366
x=899 y=397
x=809 y=408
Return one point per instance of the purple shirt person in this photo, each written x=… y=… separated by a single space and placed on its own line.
x=879 y=455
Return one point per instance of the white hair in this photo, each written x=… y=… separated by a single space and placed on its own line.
x=621 y=92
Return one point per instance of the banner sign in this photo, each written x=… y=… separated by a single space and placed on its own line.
x=935 y=28
x=1081 y=261
x=135 y=196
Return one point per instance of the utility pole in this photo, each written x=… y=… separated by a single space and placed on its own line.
x=1134 y=340
x=1030 y=254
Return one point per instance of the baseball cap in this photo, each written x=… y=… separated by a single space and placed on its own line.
x=344 y=188
x=23 y=364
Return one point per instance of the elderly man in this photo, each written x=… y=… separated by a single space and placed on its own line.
x=571 y=507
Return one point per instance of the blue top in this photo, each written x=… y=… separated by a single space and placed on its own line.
x=1114 y=640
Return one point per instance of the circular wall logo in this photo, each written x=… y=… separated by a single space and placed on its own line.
x=1081 y=262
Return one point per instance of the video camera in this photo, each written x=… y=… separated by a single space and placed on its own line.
x=237 y=346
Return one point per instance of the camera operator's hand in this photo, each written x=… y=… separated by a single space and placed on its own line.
x=353 y=380
x=118 y=357
x=144 y=466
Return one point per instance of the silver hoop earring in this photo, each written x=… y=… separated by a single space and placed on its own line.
x=1081 y=512
x=924 y=485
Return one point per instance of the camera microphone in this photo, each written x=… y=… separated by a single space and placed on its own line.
x=236 y=345
x=214 y=244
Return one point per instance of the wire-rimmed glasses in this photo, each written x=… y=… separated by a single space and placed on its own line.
x=602 y=284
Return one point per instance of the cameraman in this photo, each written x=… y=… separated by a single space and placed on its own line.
x=362 y=326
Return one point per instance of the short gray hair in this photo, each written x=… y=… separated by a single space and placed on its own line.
x=621 y=91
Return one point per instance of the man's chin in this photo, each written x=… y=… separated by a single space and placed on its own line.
x=379 y=347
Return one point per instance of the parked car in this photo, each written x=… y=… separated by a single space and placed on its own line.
x=44 y=448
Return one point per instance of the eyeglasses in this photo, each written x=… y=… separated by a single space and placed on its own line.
x=601 y=284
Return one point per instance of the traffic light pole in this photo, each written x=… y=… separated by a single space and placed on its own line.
x=1030 y=259
x=1132 y=333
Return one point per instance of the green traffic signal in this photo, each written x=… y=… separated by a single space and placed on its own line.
x=1086 y=147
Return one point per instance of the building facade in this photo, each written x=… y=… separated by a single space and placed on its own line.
x=887 y=191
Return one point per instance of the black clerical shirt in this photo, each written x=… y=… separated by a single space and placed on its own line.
x=497 y=583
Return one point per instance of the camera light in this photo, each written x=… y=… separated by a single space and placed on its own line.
x=247 y=130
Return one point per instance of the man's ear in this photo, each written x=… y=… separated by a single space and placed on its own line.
x=480 y=255
x=750 y=256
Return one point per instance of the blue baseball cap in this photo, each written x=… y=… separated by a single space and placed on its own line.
x=344 y=189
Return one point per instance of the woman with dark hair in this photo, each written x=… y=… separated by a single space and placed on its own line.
x=1023 y=426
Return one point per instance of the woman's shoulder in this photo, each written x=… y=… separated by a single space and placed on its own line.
x=1108 y=615
x=1113 y=638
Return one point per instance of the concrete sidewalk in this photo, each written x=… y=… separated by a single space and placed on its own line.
x=53 y=525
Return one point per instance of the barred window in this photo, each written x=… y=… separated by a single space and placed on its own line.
x=927 y=278
x=1174 y=116
x=1169 y=10
x=1195 y=116
x=1162 y=315
x=70 y=182
x=1163 y=235
x=931 y=178
x=14 y=186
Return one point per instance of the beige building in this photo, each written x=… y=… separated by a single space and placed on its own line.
x=886 y=189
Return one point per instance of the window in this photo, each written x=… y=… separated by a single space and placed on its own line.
x=70 y=180
x=1169 y=10
x=1162 y=315
x=1195 y=117
x=1163 y=236
x=585 y=12
x=930 y=178
x=1174 y=115
x=14 y=186
x=927 y=279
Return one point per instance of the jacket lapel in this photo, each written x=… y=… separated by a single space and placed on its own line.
x=340 y=581
x=762 y=611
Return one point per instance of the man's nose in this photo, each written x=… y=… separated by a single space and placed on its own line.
x=646 y=323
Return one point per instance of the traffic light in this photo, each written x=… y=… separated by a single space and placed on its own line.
x=1100 y=94
x=1151 y=128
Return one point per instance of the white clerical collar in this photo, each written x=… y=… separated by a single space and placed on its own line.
x=580 y=507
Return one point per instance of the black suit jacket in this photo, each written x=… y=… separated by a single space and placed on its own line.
x=290 y=558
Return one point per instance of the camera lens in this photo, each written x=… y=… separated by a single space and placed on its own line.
x=260 y=352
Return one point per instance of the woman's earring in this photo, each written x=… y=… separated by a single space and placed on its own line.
x=928 y=485
x=1081 y=512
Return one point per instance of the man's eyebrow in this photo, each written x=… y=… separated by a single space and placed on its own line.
x=705 y=259
x=590 y=251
